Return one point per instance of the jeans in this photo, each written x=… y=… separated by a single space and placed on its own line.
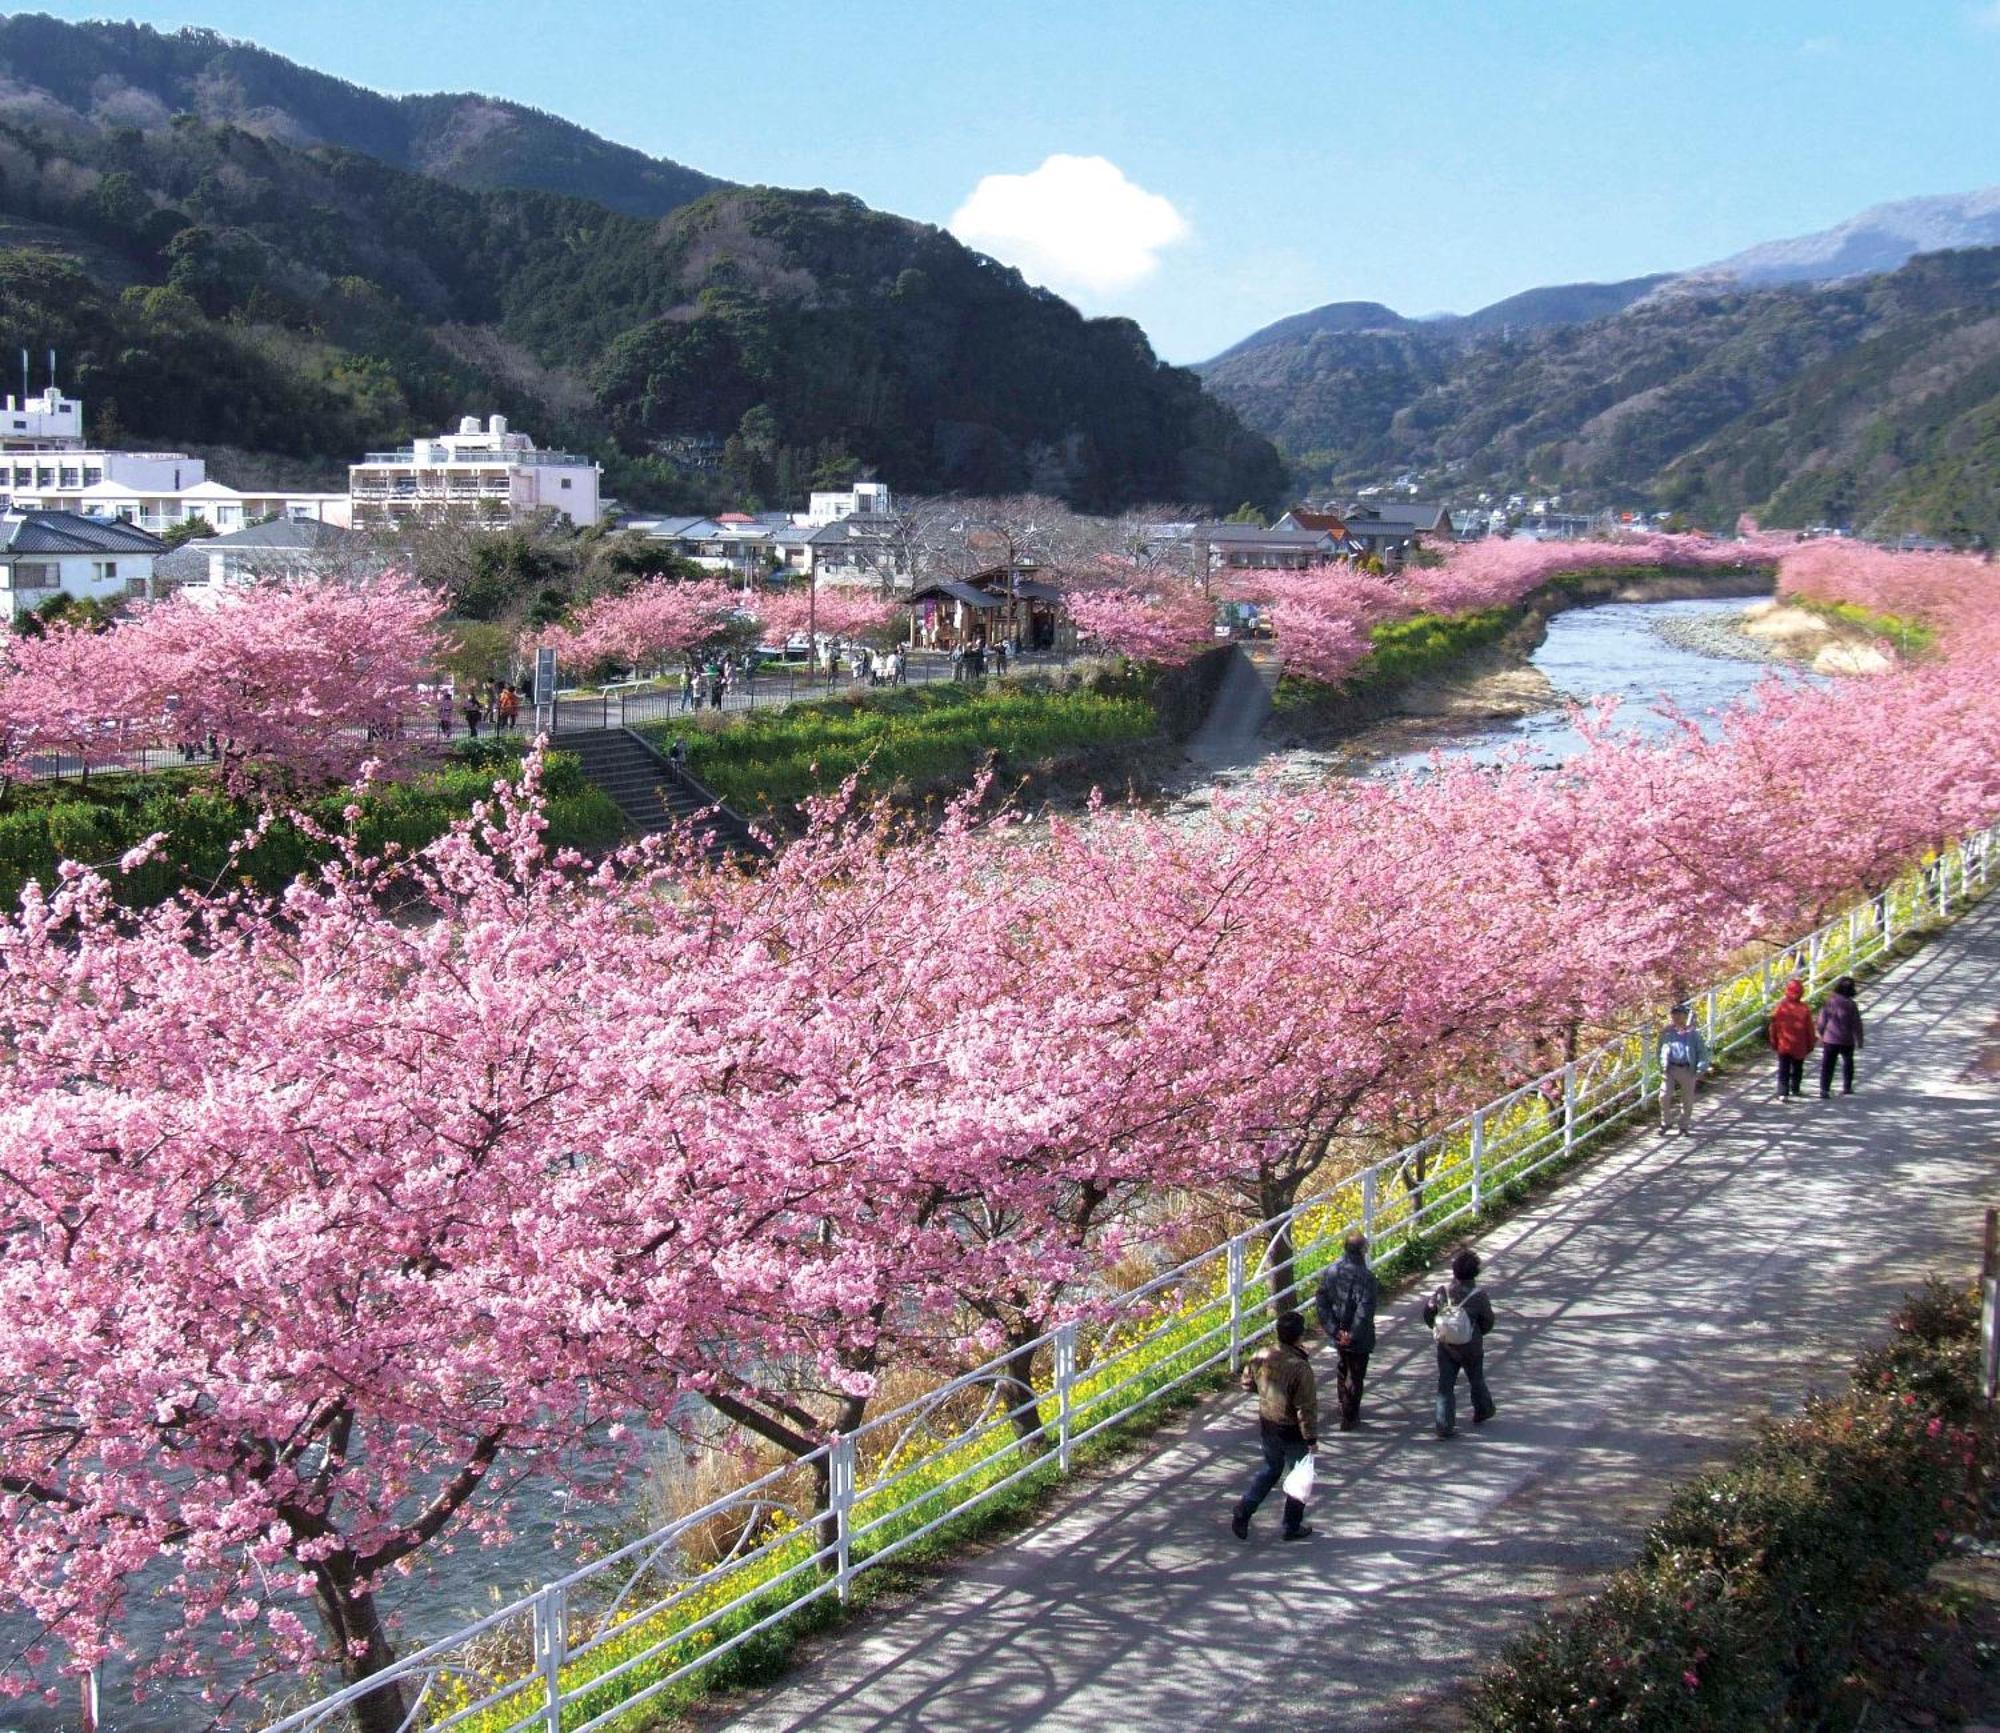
x=1827 y=1055
x=1791 y=1075
x=1449 y=1367
x=1284 y=1448
x=1678 y=1082
x=1350 y=1373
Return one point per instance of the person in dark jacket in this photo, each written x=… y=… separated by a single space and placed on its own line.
x=1840 y=1037
x=1287 y=1422
x=1346 y=1306
x=1791 y=1035
x=1463 y=1296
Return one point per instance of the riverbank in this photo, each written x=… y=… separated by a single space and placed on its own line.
x=1784 y=632
x=1494 y=684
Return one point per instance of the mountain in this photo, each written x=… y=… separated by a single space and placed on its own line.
x=1879 y=239
x=1562 y=304
x=61 y=77
x=329 y=270
x=1873 y=401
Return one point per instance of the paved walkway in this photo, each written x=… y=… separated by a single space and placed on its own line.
x=1648 y=1309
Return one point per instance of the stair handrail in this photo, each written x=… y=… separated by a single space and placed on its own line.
x=736 y=825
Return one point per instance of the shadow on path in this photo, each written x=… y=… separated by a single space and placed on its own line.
x=1650 y=1308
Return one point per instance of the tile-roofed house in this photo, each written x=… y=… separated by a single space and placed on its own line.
x=46 y=553
x=1302 y=517
x=1251 y=547
x=284 y=547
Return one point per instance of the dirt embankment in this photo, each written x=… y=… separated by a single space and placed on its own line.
x=1799 y=635
x=1492 y=684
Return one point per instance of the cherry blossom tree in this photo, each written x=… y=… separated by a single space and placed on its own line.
x=656 y=619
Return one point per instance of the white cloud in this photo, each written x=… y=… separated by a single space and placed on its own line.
x=1076 y=223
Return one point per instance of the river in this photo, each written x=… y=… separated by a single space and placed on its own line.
x=1613 y=650
x=1636 y=652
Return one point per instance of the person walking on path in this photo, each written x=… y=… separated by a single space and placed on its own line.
x=508 y=706
x=1346 y=1306
x=1287 y=1423
x=1683 y=1060
x=1840 y=1037
x=472 y=710
x=1460 y=1318
x=687 y=686
x=444 y=712
x=1792 y=1038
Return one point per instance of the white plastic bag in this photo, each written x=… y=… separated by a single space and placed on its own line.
x=1299 y=1482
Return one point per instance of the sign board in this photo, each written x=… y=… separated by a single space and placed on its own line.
x=545 y=676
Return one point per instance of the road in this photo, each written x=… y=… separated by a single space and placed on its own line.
x=1650 y=1308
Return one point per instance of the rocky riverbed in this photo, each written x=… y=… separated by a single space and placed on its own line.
x=1780 y=632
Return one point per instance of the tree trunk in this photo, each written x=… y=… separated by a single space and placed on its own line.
x=1018 y=1392
x=354 y=1622
x=1276 y=1195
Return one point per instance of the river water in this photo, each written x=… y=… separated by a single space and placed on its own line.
x=1615 y=650
x=1620 y=650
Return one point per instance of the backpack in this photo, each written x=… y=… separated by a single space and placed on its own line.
x=1453 y=1328
x=1680 y=1047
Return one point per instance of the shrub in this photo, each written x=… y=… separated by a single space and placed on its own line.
x=913 y=736
x=1744 y=1606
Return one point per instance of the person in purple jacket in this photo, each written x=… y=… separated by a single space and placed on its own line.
x=1840 y=1037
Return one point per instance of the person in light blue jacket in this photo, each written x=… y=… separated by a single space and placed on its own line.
x=1684 y=1060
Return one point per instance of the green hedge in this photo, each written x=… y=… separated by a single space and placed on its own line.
x=768 y=761
x=98 y=822
x=1744 y=1607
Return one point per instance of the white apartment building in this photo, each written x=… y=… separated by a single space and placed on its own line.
x=156 y=490
x=44 y=553
x=486 y=474
x=865 y=499
x=50 y=419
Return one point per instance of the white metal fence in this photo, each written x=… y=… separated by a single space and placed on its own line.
x=640 y=1625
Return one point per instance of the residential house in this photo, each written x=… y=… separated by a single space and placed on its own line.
x=1251 y=547
x=47 y=553
x=1392 y=530
x=483 y=475
x=283 y=548
x=735 y=545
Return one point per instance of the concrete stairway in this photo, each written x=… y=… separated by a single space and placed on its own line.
x=650 y=792
x=1228 y=735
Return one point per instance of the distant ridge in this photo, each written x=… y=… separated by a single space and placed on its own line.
x=97 y=76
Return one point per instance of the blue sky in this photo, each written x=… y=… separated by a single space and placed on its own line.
x=1206 y=168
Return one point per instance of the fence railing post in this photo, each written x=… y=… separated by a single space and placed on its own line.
x=551 y=1651
x=840 y=1500
x=1066 y=1389
x=1478 y=1158
x=1569 y=1108
x=1368 y=1203
x=1989 y=1310
x=1236 y=1259
x=91 y=1709
x=1708 y=1017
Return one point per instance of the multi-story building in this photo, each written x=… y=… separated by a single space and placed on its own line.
x=44 y=553
x=50 y=420
x=865 y=499
x=480 y=474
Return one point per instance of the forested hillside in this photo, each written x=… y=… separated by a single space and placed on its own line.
x=62 y=76
x=1873 y=402
x=215 y=285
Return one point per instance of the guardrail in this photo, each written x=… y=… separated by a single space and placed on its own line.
x=641 y=1624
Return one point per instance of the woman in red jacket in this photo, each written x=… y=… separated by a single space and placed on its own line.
x=1792 y=1036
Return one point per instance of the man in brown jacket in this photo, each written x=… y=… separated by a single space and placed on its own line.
x=1287 y=1420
